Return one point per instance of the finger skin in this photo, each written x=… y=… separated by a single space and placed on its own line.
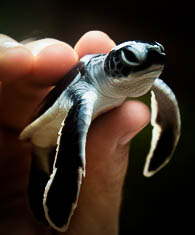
x=42 y=60
x=15 y=63
x=94 y=42
x=52 y=60
x=25 y=86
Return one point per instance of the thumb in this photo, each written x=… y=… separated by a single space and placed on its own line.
x=107 y=143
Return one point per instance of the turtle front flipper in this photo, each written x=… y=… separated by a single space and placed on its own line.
x=62 y=190
x=165 y=120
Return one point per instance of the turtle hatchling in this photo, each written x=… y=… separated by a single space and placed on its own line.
x=98 y=83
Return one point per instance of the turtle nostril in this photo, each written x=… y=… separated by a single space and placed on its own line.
x=128 y=57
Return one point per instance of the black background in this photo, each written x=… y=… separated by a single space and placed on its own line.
x=164 y=202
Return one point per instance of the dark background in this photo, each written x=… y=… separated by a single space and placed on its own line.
x=164 y=202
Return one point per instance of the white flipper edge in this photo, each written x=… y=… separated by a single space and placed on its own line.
x=165 y=120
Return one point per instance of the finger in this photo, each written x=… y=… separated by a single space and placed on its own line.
x=94 y=42
x=108 y=139
x=52 y=60
x=15 y=59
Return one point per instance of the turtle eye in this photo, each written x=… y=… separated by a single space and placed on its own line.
x=128 y=57
x=121 y=62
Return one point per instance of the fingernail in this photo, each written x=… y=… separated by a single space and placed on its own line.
x=7 y=43
x=37 y=47
x=57 y=48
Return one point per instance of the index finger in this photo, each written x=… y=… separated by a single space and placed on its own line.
x=94 y=42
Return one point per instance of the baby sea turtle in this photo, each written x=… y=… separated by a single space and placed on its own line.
x=98 y=83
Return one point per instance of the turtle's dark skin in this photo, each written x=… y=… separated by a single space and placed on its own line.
x=97 y=84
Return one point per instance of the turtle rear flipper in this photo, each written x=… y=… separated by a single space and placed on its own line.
x=62 y=190
x=165 y=120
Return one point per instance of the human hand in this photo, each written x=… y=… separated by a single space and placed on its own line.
x=27 y=73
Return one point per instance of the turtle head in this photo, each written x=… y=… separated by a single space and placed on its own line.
x=133 y=66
